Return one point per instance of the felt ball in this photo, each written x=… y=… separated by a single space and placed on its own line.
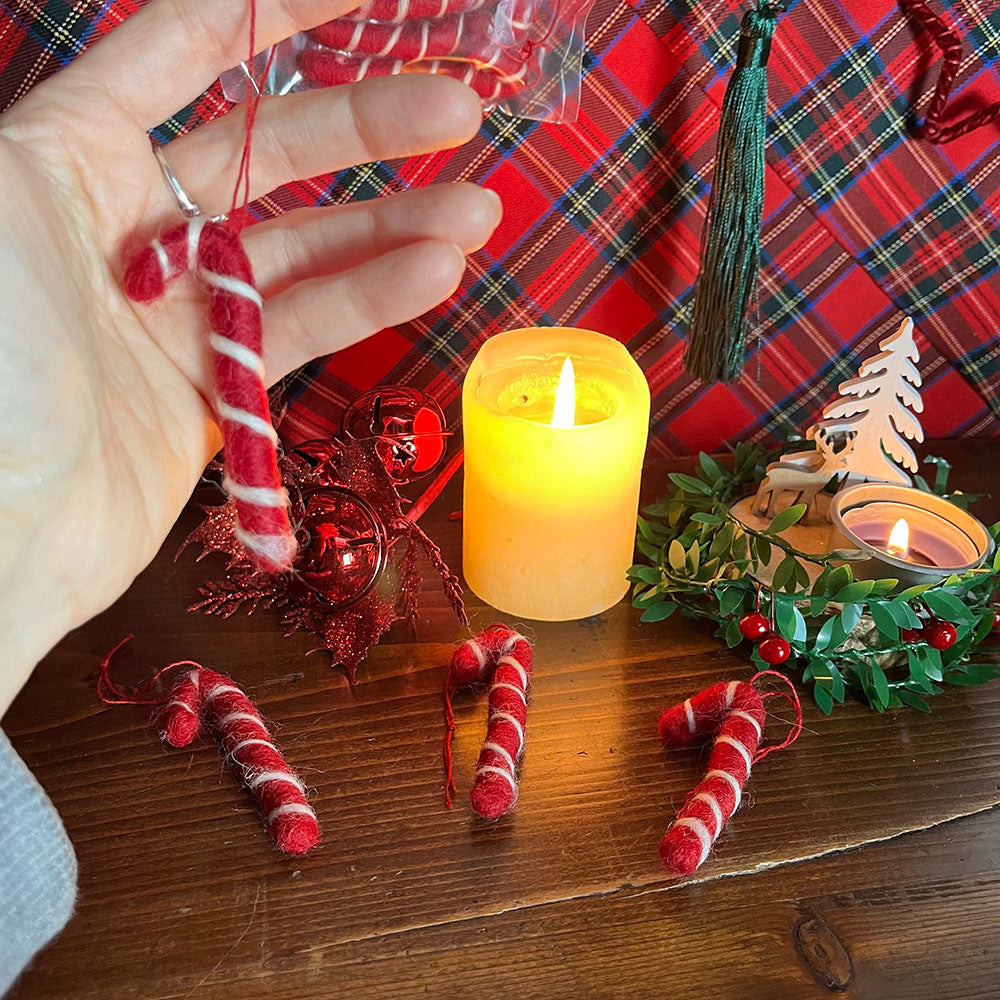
x=774 y=650
x=941 y=635
x=912 y=635
x=754 y=626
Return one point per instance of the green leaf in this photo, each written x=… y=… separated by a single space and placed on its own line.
x=825 y=633
x=823 y=699
x=643 y=601
x=941 y=469
x=712 y=470
x=648 y=549
x=786 y=518
x=903 y=615
x=850 y=617
x=730 y=598
x=722 y=543
x=789 y=619
x=839 y=578
x=784 y=575
x=856 y=591
x=968 y=677
x=689 y=484
x=694 y=558
x=733 y=635
x=947 y=606
x=658 y=612
x=884 y=620
x=911 y=592
x=913 y=700
x=880 y=685
x=676 y=555
x=762 y=550
x=702 y=518
x=838 y=690
x=648 y=574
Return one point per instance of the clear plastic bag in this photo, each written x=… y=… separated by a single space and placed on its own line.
x=522 y=56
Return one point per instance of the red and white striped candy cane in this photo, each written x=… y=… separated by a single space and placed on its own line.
x=329 y=67
x=735 y=712
x=411 y=40
x=395 y=11
x=276 y=790
x=505 y=655
x=252 y=478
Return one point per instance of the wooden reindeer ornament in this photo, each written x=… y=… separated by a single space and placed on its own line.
x=803 y=473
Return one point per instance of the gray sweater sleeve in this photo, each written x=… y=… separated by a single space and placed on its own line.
x=37 y=868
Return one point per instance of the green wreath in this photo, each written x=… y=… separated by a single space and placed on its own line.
x=846 y=634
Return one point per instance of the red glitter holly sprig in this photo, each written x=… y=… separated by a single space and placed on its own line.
x=356 y=572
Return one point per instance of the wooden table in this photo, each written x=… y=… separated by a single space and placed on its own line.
x=182 y=894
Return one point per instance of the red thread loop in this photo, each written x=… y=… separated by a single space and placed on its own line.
x=951 y=56
x=792 y=699
x=111 y=694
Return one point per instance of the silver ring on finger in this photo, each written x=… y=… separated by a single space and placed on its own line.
x=187 y=205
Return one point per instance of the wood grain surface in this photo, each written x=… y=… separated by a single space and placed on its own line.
x=182 y=894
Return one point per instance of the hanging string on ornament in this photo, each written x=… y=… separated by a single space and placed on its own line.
x=211 y=250
x=734 y=712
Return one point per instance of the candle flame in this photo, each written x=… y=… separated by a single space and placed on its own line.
x=899 y=538
x=564 y=410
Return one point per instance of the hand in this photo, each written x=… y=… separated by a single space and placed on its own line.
x=104 y=425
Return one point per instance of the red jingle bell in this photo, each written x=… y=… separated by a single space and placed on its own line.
x=754 y=626
x=343 y=546
x=774 y=650
x=407 y=425
x=941 y=635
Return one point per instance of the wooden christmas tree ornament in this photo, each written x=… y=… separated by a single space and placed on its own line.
x=879 y=406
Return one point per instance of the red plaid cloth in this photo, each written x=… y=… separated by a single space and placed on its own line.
x=862 y=221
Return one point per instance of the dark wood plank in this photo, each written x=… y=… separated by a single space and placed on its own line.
x=173 y=860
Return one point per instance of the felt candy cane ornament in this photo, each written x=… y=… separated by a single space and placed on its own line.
x=211 y=250
x=410 y=39
x=329 y=68
x=503 y=656
x=734 y=713
x=202 y=696
x=216 y=255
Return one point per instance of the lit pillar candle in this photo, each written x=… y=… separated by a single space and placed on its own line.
x=552 y=492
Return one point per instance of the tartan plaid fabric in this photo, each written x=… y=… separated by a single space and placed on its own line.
x=603 y=218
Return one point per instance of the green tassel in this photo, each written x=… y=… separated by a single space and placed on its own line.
x=730 y=244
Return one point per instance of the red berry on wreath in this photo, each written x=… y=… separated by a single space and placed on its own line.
x=912 y=635
x=754 y=627
x=774 y=650
x=996 y=619
x=941 y=635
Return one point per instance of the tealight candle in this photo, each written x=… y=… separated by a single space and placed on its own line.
x=907 y=534
x=555 y=424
